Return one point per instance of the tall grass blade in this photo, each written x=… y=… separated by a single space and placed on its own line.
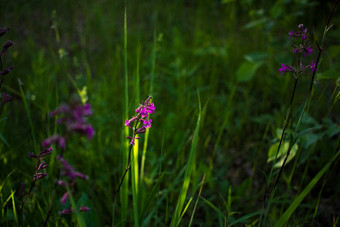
x=14 y=208
x=28 y=115
x=286 y=215
x=190 y=165
x=153 y=69
x=125 y=144
x=134 y=179
x=79 y=217
x=198 y=197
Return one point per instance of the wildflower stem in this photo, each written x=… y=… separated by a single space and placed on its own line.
x=23 y=202
x=309 y=92
x=2 y=76
x=52 y=198
x=303 y=111
x=288 y=114
x=126 y=169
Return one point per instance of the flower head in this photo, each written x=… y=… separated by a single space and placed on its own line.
x=6 y=46
x=69 y=171
x=286 y=68
x=40 y=164
x=313 y=66
x=142 y=119
x=3 y=31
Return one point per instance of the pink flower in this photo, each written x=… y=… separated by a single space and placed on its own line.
x=81 y=209
x=147 y=123
x=64 y=198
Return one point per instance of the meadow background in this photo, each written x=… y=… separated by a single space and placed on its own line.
x=228 y=52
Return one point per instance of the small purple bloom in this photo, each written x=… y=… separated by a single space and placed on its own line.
x=286 y=68
x=282 y=69
x=291 y=33
x=31 y=155
x=83 y=129
x=81 y=176
x=64 y=198
x=42 y=166
x=5 y=47
x=308 y=50
x=87 y=109
x=128 y=122
x=55 y=139
x=38 y=176
x=61 y=183
x=313 y=66
x=147 y=123
x=81 y=209
x=6 y=98
x=69 y=171
x=3 y=31
x=46 y=152
x=7 y=71
x=66 y=211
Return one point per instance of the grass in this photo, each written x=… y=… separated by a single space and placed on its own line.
x=121 y=52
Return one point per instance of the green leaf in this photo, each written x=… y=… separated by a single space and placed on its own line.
x=282 y=153
x=244 y=218
x=247 y=71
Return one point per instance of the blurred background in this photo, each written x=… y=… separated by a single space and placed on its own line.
x=229 y=51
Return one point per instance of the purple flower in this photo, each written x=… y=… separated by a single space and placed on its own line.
x=143 y=112
x=286 y=68
x=40 y=164
x=308 y=50
x=141 y=130
x=83 y=129
x=291 y=33
x=6 y=98
x=70 y=210
x=64 y=198
x=128 y=122
x=3 y=31
x=61 y=183
x=55 y=139
x=313 y=66
x=81 y=209
x=7 y=71
x=66 y=211
x=5 y=47
x=41 y=153
x=38 y=176
x=62 y=109
x=73 y=116
x=147 y=123
x=69 y=171
x=87 y=109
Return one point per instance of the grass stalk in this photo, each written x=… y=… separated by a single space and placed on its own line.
x=189 y=167
x=125 y=144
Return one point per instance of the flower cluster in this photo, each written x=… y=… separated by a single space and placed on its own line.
x=68 y=171
x=40 y=163
x=304 y=48
x=74 y=117
x=5 y=97
x=142 y=120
